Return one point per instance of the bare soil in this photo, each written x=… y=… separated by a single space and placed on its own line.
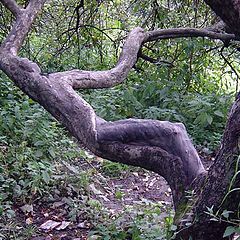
x=129 y=187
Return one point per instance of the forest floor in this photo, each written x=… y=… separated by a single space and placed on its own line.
x=96 y=196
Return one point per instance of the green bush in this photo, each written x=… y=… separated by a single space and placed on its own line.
x=30 y=142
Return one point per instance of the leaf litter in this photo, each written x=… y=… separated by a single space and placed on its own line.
x=64 y=217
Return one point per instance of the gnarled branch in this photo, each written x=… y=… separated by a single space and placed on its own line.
x=187 y=32
x=22 y=25
x=12 y=6
x=109 y=78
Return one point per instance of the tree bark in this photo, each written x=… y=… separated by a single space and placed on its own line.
x=159 y=146
x=229 y=12
x=221 y=187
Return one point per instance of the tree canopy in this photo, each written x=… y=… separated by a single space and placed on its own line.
x=176 y=49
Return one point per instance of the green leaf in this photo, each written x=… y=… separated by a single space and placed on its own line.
x=209 y=119
x=173 y=227
x=210 y=209
x=229 y=231
x=10 y=213
x=17 y=112
x=219 y=113
x=46 y=177
x=38 y=153
x=200 y=119
x=39 y=143
x=107 y=238
x=52 y=153
x=226 y=213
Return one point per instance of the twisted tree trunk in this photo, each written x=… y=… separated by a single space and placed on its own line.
x=159 y=146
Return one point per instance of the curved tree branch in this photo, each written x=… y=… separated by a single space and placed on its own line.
x=22 y=25
x=12 y=6
x=109 y=78
x=187 y=32
x=159 y=146
x=162 y=147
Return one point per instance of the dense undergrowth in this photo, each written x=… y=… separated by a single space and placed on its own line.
x=35 y=150
x=204 y=115
x=39 y=162
x=35 y=168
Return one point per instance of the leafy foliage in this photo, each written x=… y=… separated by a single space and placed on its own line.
x=29 y=142
x=203 y=114
x=189 y=82
x=141 y=224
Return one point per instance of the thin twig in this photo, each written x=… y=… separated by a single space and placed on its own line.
x=232 y=68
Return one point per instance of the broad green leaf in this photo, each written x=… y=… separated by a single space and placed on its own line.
x=229 y=231
x=219 y=113
x=209 y=119
x=46 y=177
x=38 y=153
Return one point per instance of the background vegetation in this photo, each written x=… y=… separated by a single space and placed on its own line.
x=191 y=81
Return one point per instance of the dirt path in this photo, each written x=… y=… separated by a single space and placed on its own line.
x=74 y=210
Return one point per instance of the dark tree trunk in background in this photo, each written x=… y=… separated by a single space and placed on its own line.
x=229 y=12
x=159 y=146
x=218 y=186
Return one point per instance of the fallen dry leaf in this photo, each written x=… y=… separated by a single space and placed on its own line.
x=29 y=221
x=50 y=225
x=83 y=225
x=63 y=225
x=27 y=208
x=94 y=190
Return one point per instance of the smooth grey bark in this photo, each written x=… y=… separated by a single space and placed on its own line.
x=159 y=146
x=165 y=144
x=210 y=32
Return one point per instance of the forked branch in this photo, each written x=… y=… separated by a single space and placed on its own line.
x=12 y=6
x=22 y=25
x=105 y=79
x=159 y=146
